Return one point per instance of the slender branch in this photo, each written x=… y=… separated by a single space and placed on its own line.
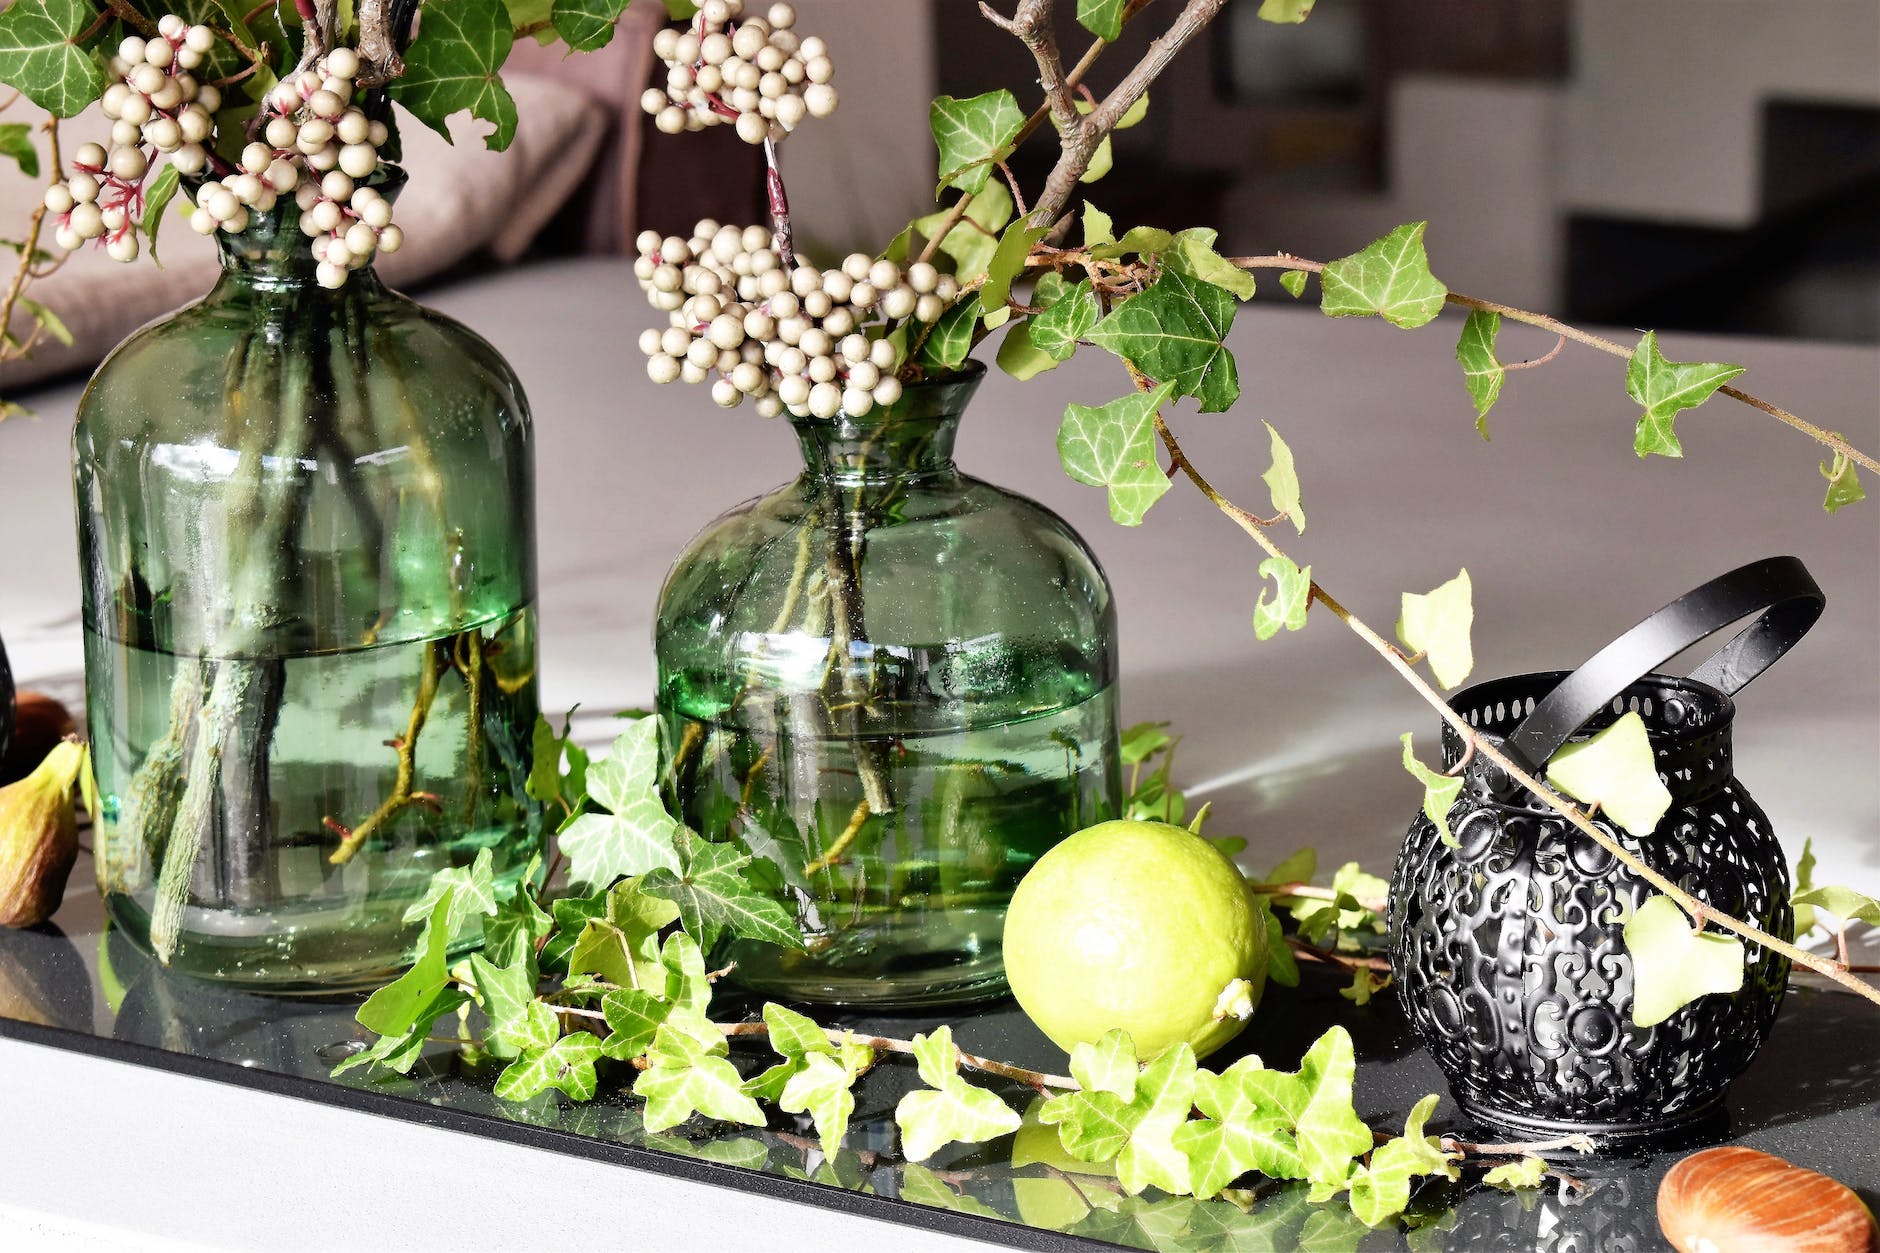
x=406 y=748
x=1032 y=25
x=127 y=13
x=887 y=1044
x=28 y=247
x=1332 y=957
x=378 y=44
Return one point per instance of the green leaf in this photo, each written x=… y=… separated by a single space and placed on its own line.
x=1192 y=253
x=716 y=893
x=1098 y=229
x=1143 y=741
x=951 y=338
x=1390 y=278
x=822 y=1088
x=1104 y=157
x=16 y=141
x=973 y=135
x=1173 y=333
x=636 y=835
x=795 y=1035
x=1437 y=624
x=1665 y=388
x=585 y=25
x=950 y=1108
x=567 y=1064
x=1844 y=903
x=1102 y=18
x=1804 y=883
x=1330 y=1133
x=1482 y=373
x=395 y=1007
x=453 y=66
x=1294 y=281
x=519 y=1022
x=1285 y=11
x=157 y=198
x=1146 y=241
x=1439 y=791
x=1292 y=595
x=920 y=1186
x=1843 y=483
x=54 y=325
x=1674 y=963
x=40 y=56
x=1251 y=1113
x=681 y=10
x=1067 y=320
x=1512 y=1176
x=689 y=1074
x=686 y=985
x=972 y=240
x=518 y=923
x=1113 y=446
x=1164 y=1093
x=1109 y=1065
x=1281 y=967
x=1380 y=1191
x=634 y=1017
x=472 y=891
x=400 y=1051
x=1019 y=354
x=1282 y=481
x=1615 y=770
x=1008 y=259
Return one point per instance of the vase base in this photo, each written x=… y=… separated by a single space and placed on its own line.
x=1707 y=1124
x=897 y=963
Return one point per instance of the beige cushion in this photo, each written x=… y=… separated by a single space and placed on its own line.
x=461 y=199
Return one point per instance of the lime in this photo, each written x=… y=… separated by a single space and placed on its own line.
x=1137 y=925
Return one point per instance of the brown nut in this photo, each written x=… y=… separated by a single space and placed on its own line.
x=1737 y=1200
x=39 y=724
x=39 y=837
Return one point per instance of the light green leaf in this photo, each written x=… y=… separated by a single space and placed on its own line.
x=920 y=1186
x=1843 y=483
x=1126 y=1114
x=567 y=1064
x=686 y=984
x=975 y=237
x=1165 y=1090
x=1008 y=259
x=1144 y=740
x=1381 y=1190
x=1067 y=320
x=1844 y=903
x=1104 y=157
x=1665 y=388
x=1482 y=373
x=636 y=834
x=1292 y=596
x=1282 y=481
x=396 y=1006
x=1098 y=229
x=54 y=325
x=472 y=892
x=689 y=1074
x=157 y=198
x=1673 y=963
x=1251 y=1112
x=1614 y=769
x=1804 y=882
x=1512 y=1176
x=1109 y=1065
x=973 y=135
x=585 y=25
x=608 y=952
x=951 y=338
x=681 y=10
x=821 y=1088
x=633 y=1019
x=1019 y=354
x=1437 y=624
x=1192 y=253
x=1102 y=18
x=40 y=56
x=1294 y=281
x=453 y=66
x=519 y=1022
x=16 y=141
x=1173 y=333
x=517 y=924
x=1390 y=277
x=1113 y=446
x=795 y=1035
x=950 y=1108
x=1285 y=11
x=400 y=1050
x=1329 y=1131
x=1145 y=241
x=716 y=892
x=1439 y=791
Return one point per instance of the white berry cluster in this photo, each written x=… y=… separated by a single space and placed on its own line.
x=753 y=72
x=155 y=105
x=792 y=339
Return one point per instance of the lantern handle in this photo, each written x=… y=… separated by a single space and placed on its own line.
x=1778 y=590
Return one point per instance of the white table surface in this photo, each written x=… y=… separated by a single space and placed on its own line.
x=1567 y=536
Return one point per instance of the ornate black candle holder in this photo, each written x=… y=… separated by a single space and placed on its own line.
x=1509 y=951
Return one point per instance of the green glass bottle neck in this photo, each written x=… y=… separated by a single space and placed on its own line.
x=273 y=254
x=911 y=439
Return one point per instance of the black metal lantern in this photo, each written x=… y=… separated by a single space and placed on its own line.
x=1509 y=950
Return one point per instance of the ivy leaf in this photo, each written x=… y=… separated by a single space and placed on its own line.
x=453 y=66
x=546 y=782
x=1292 y=595
x=689 y=1074
x=921 y=1186
x=1285 y=11
x=1164 y=1093
x=636 y=834
x=157 y=198
x=1381 y=1190
x=1104 y=157
x=950 y=1108
x=1102 y=18
x=53 y=324
x=1294 y=281
x=1251 y=1112
x=1665 y=388
x=472 y=891
x=1192 y=253
x=1173 y=332
x=1843 y=483
x=1390 y=278
x=1482 y=373
x=973 y=135
x=1512 y=1176
x=1674 y=963
x=16 y=141
x=822 y=1088
x=1439 y=792
x=1144 y=740
x=608 y=952
x=40 y=56
x=1098 y=229
x=1282 y=481
x=400 y=1051
x=1615 y=770
x=1109 y=1065
x=1281 y=967
x=1113 y=446
x=1126 y=1113
x=567 y=1064
x=1146 y=241
x=519 y=1023
x=633 y=1019
x=517 y=924
x=395 y=1007
x=1019 y=354
x=951 y=338
x=1804 y=883
x=795 y=1036
x=1067 y=320
x=972 y=240
x=1007 y=260
x=1844 y=903
x=585 y=25
x=1330 y=1133
x=715 y=894
x=1437 y=624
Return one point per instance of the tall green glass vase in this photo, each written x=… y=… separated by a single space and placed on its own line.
x=306 y=523
x=897 y=684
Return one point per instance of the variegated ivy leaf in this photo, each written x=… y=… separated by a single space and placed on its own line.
x=633 y=1019
x=1285 y=11
x=1098 y=229
x=973 y=135
x=1437 y=624
x=1104 y=157
x=454 y=65
x=1844 y=903
x=1439 y=791
x=1380 y=1191
x=1674 y=963
x=1615 y=770
x=1065 y=321
x=396 y=1006
x=1174 y=333
x=972 y=240
x=1328 y=1129
x=950 y=1108
x=1292 y=596
x=401 y=1050
x=636 y=834
x=951 y=338
x=585 y=25
x=1666 y=388
x=1250 y=1114
x=1843 y=483
x=1482 y=373
x=1102 y=18
x=1804 y=883
x=518 y=923
x=720 y=888
x=1020 y=356
x=822 y=1088
x=1512 y=1176
x=472 y=891
x=1008 y=259
x=1113 y=446
x=1364 y=985
x=1282 y=480
x=1357 y=897
x=1192 y=253
x=1294 y=281
x=700 y=1084
x=518 y=1021
x=40 y=56
x=1390 y=278
x=1129 y=1114
x=567 y=1064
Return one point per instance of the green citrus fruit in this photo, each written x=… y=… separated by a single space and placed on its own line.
x=1137 y=925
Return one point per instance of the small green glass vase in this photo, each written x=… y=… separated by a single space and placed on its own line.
x=897 y=684
x=306 y=526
